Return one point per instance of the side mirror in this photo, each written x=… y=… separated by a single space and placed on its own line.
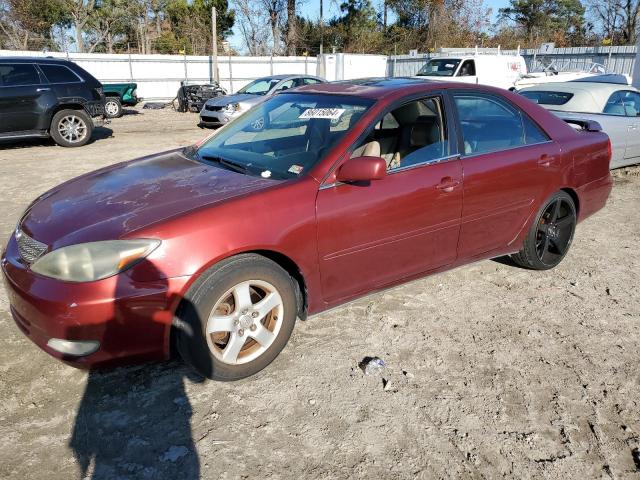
x=362 y=169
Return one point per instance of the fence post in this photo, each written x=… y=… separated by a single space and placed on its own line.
x=306 y=68
x=271 y=64
x=130 y=66
x=186 y=73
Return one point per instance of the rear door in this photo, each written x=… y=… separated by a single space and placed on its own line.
x=508 y=165
x=23 y=98
x=631 y=101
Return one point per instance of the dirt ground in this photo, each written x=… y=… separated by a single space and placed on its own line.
x=492 y=371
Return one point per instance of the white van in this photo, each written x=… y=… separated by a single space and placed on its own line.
x=496 y=70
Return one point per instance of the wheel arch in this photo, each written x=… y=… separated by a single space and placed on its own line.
x=280 y=259
x=574 y=196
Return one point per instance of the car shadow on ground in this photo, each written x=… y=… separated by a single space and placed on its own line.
x=130 y=111
x=135 y=422
x=507 y=261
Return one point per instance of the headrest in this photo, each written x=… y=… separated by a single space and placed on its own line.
x=424 y=131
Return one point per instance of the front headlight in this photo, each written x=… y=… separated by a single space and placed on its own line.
x=232 y=107
x=87 y=262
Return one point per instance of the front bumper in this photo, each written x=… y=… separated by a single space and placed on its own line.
x=216 y=118
x=131 y=320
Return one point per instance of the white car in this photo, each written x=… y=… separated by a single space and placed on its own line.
x=615 y=107
x=495 y=70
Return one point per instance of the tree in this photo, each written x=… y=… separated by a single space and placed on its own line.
x=292 y=32
x=25 y=21
x=556 y=20
x=252 y=22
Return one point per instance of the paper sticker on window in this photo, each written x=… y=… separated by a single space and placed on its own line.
x=297 y=169
x=328 y=113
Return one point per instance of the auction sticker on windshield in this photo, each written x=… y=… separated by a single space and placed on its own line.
x=329 y=113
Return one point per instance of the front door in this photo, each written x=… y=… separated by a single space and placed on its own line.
x=371 y=235
x=21 y=95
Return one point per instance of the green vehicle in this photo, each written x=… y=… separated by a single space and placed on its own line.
x=117 y=95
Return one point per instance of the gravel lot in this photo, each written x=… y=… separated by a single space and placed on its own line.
x=492 y=371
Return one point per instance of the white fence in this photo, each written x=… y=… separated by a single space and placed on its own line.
x=159 y=76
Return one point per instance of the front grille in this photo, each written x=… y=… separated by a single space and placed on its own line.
x=213 y=108
x=30 y=249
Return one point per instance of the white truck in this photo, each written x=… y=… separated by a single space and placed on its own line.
x=486 y=69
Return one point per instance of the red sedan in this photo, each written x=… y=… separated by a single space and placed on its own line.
x=309 y=200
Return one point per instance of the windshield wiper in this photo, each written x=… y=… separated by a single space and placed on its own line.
x=236 y=167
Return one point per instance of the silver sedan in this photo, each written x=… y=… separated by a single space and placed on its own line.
x=219 y=111
x=614 y=106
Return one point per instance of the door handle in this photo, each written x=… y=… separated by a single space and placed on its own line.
x=42 y=89
x=545 y=160
x=633 y=127
x=447 y=184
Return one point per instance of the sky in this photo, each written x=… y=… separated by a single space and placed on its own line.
x=311 y=9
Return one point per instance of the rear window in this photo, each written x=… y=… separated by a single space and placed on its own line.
x=59 y=74
x=18 y=74
x=548 y=98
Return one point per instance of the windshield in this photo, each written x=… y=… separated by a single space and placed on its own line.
x=259 y=87
x=439 y=67
x=285 y=136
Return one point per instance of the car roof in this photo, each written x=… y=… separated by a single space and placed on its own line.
x=589 y=97
x=284 y=76
x=33 y=60
x=374 y=87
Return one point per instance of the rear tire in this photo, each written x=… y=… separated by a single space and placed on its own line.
x=550 y=235
x=71 y=128
x=113 y=107
x=236 y=318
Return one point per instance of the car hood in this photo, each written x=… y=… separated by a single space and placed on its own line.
x=120 y=199
x=245 y=98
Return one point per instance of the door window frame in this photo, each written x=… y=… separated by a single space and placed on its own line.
x=498 y=100
x=448 y=120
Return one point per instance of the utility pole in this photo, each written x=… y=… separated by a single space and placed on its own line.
x=636 y=71
x=214 y=44
x=321 y=28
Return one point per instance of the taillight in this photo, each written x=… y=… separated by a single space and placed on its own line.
x=609 y=150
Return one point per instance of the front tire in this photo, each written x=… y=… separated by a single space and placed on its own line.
x=71 y=128
x=551 y=234
x=113 y=107
x=236 y=318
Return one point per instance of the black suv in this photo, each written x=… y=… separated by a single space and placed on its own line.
x=42 y=97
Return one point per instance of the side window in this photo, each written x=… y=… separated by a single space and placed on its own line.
x=412 y=134
x=468 y=69
x=311 y=81
x=18 y=74
x=59 y=74
x=532 y=132
x=489 y=124
x=285 y=86
x=631 y=101
x=614 y=105
x=388 y=122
